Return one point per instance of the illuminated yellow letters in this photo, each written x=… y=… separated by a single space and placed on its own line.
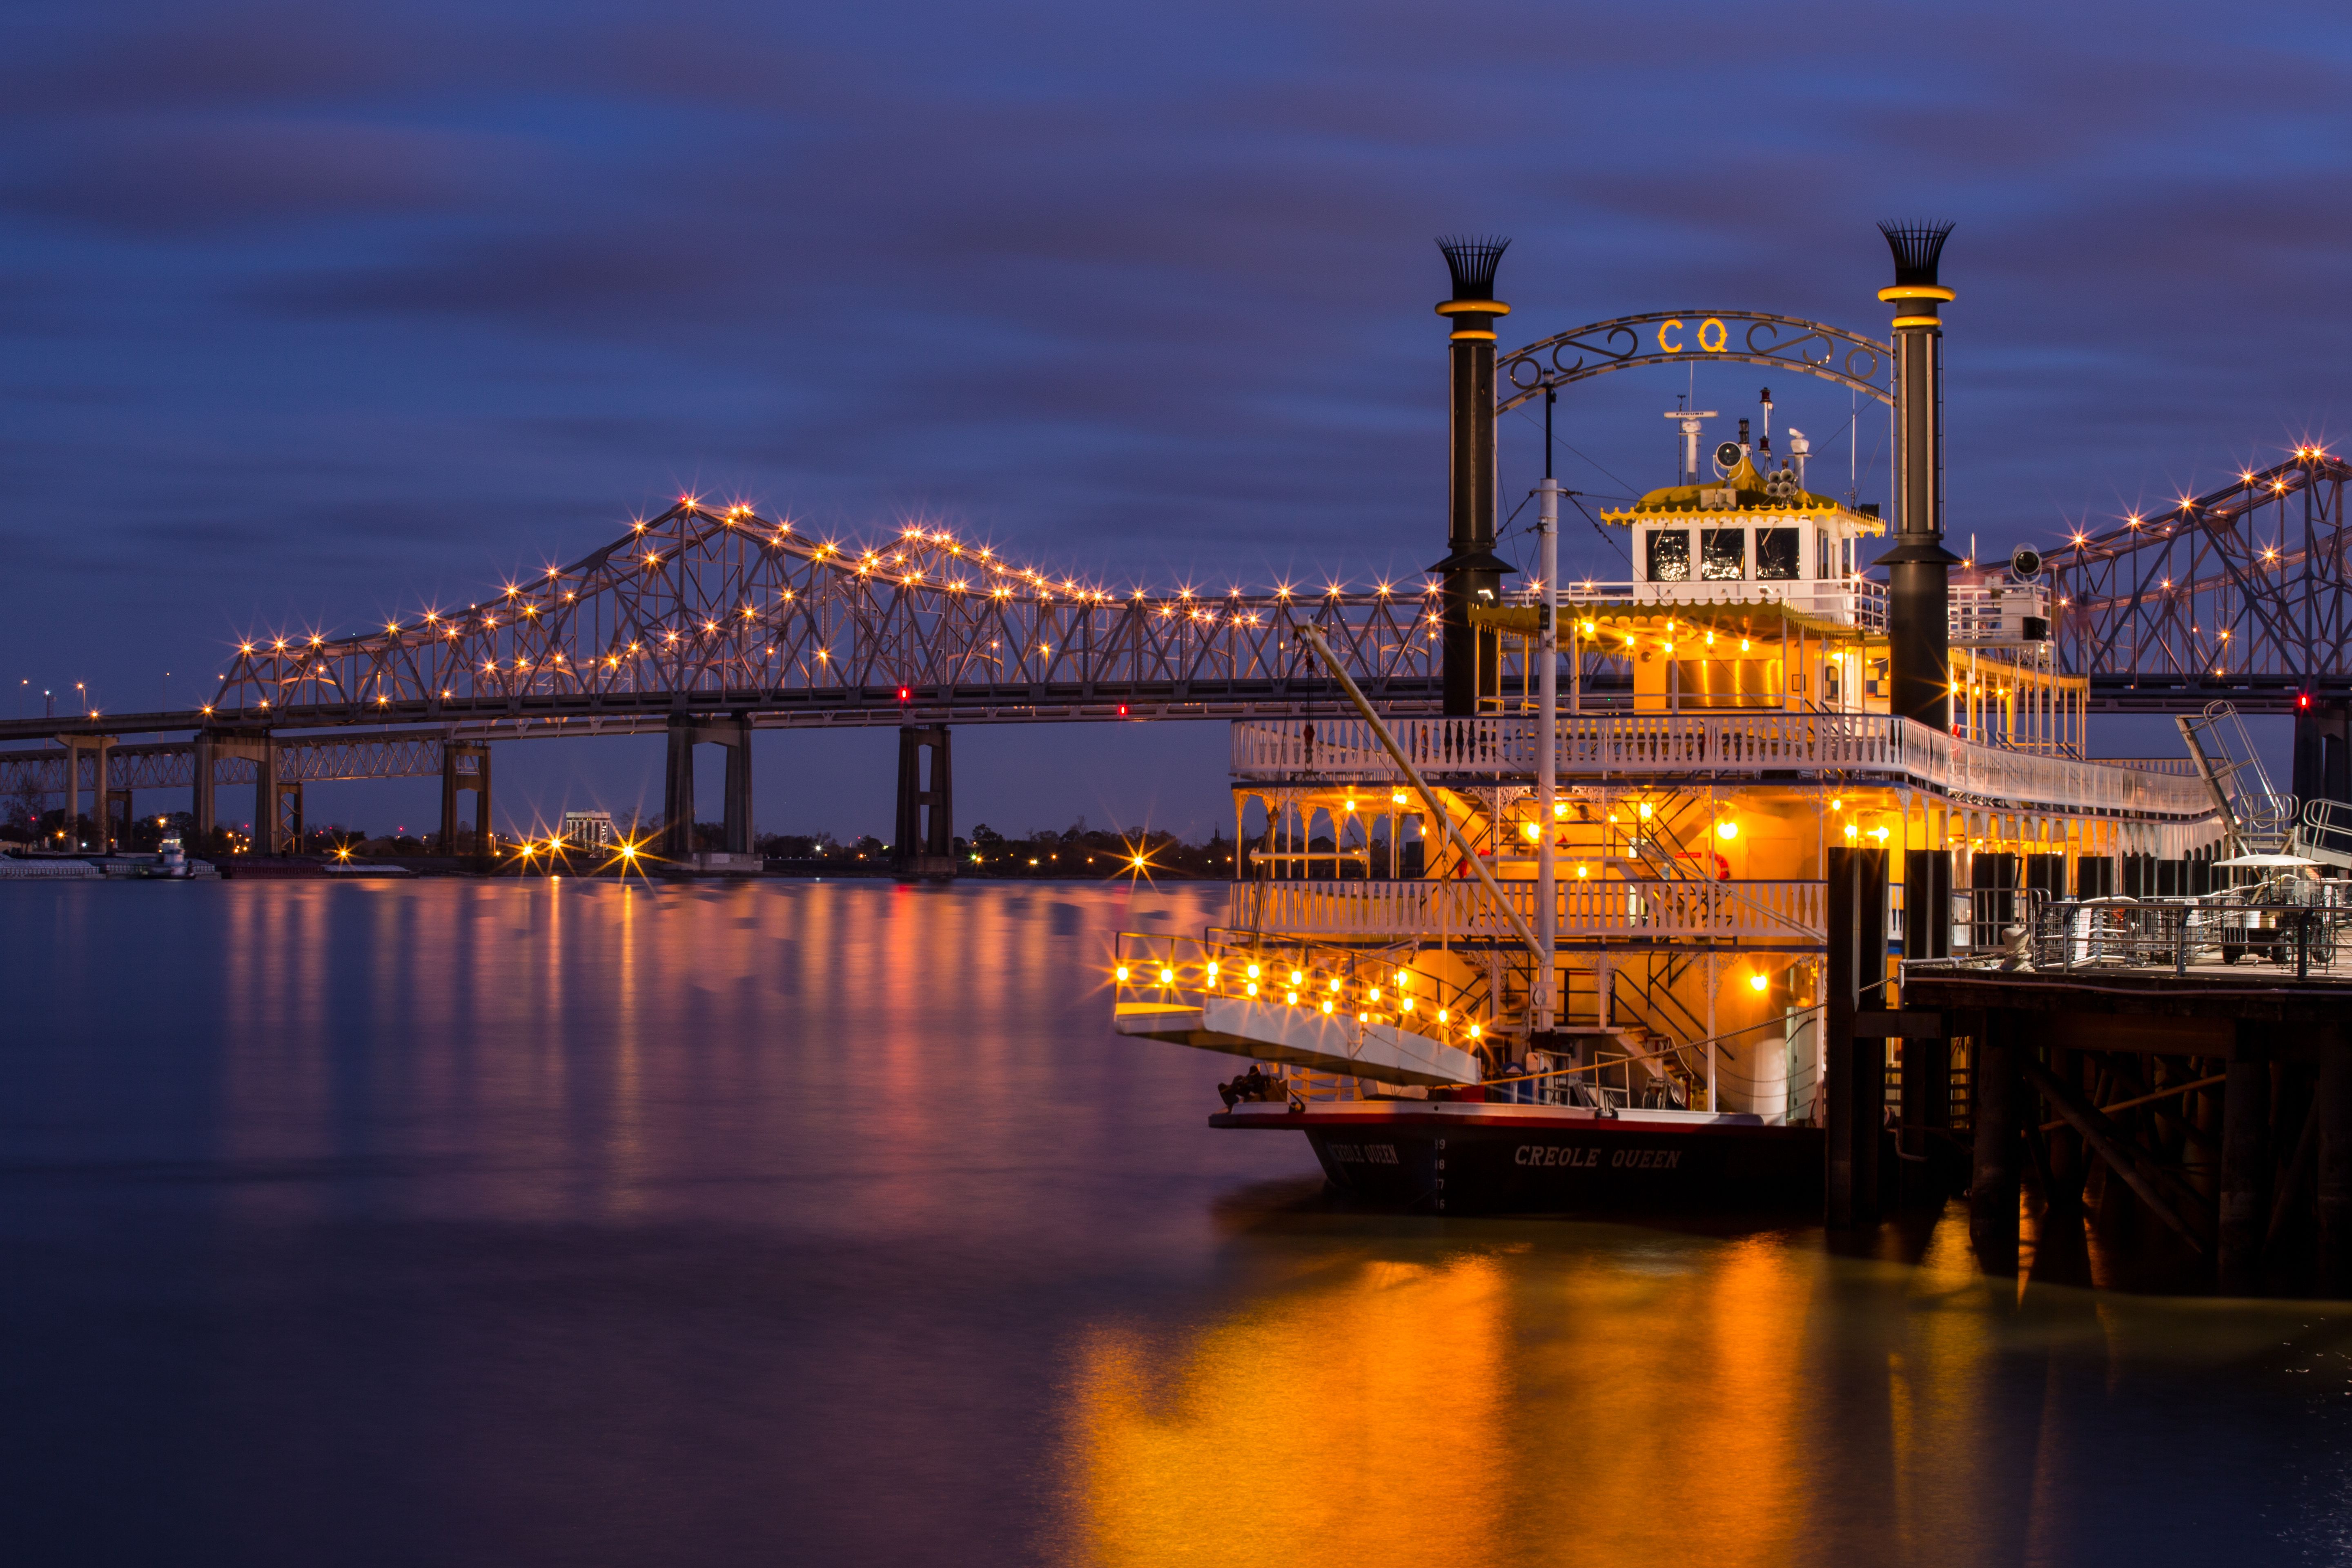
x=1716 y=346
x=1674 y=348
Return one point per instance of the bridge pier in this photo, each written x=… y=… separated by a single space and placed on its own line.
x=466 y=765
x=734 y=732
x=277 y=803
x=96 y=747
x=924 y=846
x=2322 y=750
x=211 y=747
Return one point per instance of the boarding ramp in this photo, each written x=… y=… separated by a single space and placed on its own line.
x=2257 y=819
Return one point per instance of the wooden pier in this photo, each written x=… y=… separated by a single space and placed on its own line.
x=2198 y=1103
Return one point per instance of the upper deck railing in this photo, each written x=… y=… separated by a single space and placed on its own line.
x=1594 y=747
x=1979 y=614
x=1777 y=913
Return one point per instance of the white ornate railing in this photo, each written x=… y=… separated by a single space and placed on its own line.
x=1350 y=910
x=1721 y=745
x=1978 y=614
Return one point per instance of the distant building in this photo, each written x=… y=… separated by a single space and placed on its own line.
x=589 y=829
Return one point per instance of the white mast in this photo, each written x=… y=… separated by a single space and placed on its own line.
x=1539 y=997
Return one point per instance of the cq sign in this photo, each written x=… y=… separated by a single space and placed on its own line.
x=1662 y=337
x=1714 y=345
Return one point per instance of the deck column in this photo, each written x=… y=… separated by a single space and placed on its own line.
x=1993 y=1176
x=1857 y=1069
x=2245 y=1161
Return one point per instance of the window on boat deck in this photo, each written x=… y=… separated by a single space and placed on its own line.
x=1669 y=555
x=1723 y=554
x=1776 y=554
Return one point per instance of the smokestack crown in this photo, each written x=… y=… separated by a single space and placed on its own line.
x=1471 y=259
x=1917 y=248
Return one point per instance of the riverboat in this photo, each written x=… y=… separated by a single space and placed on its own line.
x=1566 y=947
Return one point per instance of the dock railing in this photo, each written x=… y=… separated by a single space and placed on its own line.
x=1724 y=745
x=2299 y=926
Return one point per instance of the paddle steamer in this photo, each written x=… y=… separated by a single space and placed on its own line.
x=1562 y=947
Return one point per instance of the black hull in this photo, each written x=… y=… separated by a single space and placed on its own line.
x=1467 y=1160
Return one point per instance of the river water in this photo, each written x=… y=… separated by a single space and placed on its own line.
x=509 y=1223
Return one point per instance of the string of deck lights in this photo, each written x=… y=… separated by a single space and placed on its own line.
x=1393 y=995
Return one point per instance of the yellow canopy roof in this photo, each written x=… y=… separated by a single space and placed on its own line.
x=1749 y=493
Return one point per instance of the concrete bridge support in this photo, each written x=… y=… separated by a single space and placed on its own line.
x=211 y=748
x=2322 y=750
x=466 y=765
x=95 y=747
x=924 y=843
x=277 y=803
x=734 y=732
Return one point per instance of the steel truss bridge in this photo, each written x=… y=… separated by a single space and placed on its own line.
x=2240 y=594
x=707 y=622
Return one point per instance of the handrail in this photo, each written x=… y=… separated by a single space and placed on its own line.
x=1732 y=744
x=1779 y=912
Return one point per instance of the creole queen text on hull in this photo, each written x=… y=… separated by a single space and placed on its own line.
x=1563 y=946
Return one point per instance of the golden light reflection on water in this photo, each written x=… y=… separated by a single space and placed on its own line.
x=1321 y=1416
x=1595 y=1396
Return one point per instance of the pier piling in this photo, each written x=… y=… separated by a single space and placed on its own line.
x=2246 y=1162
x=1856 y=1066
x=1997 y=1164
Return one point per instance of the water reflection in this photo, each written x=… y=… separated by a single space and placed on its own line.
x=512 y=1222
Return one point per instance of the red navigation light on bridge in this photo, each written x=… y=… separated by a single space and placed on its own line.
x=906 y=694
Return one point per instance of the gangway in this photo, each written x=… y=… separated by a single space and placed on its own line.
x=2323 y=834
x=2257 y=819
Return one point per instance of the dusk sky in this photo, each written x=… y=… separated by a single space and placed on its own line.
x=313 y=315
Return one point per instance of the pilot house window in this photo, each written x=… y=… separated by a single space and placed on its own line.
x=1669 y=555
x=1723 y=554
x=1776 y=554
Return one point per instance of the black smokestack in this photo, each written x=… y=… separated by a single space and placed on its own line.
x=1471 y=568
